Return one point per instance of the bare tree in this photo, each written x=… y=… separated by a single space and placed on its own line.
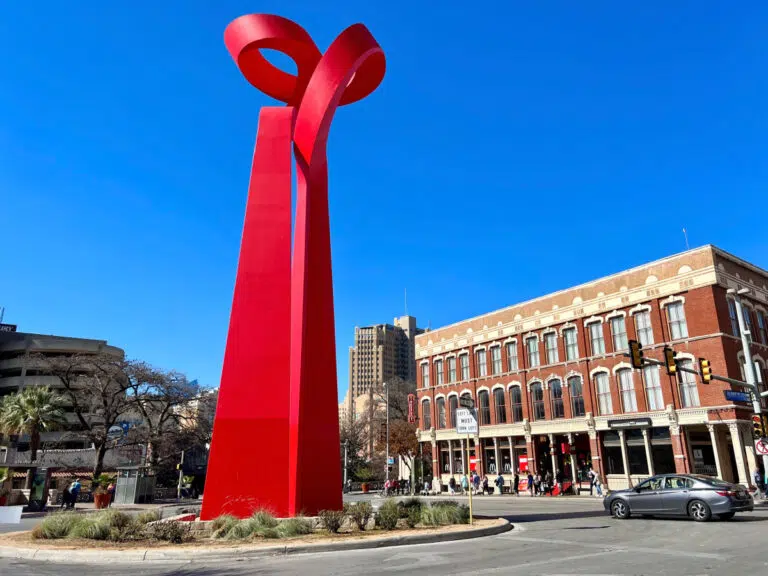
x=96 y=387
x=403 y=441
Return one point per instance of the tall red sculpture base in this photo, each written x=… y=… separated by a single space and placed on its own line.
x=278 y=385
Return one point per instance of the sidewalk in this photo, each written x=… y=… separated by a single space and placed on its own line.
x=88 y=507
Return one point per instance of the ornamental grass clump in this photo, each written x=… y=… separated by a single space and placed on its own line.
x=332 y=520
x=57 y=526
x=388 y=515
x=298 y=526
x=360 y=513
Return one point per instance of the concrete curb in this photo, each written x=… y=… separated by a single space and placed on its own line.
x=237 y=553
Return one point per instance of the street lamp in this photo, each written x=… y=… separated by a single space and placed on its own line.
x=386 y=393
x=346 y=444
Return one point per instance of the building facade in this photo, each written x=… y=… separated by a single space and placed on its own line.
x=18 y=372
x=554 y=389
x=381 y=352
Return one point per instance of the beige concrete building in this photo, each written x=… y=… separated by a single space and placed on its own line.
x=381 y=352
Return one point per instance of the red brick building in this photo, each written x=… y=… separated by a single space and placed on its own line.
x=555 y=391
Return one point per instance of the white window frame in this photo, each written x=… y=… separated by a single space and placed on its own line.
x=604 y=400
x=482 y=367
x=622 y=343
x=644 y=333
x=575 y=332
x=626 y=382
x=761 y=326
x=512 y=345
x=670 y=304
x=653 y=393
x=687 y=382
x=462 y=359
x=532 y=354
x=601 y=339
x=552 y=353
x=439 y=372
x=425 y=375
x=496 y=349
x=732 y=315
x=451 y=372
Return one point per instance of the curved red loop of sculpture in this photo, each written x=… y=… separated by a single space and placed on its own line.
x=246 y=36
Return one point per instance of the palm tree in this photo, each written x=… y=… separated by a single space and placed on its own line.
x=32 y=411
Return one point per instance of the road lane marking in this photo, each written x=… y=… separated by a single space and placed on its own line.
x=705 y=555
x=525 y=566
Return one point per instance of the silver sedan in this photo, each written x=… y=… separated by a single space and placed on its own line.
x=699 y=497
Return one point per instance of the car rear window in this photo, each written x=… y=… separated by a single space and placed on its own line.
x=713 y=481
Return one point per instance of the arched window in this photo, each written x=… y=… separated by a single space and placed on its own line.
x=501 y=406
x=577 y=395
x=516 y=403
x=603 y=393
x=426 y=416
x=440 y=405
x=556 y=391
x=689 y=393
x=627 y=387
x=453 y=405
x=438 y=372
x=537 y=395
x=484 y=401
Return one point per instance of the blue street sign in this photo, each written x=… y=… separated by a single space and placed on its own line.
x=735 y=396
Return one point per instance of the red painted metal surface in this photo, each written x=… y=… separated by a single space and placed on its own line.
x=278 y=386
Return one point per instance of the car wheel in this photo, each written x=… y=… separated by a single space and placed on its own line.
x=726 y=516
x=620 y=510
x=699 y=511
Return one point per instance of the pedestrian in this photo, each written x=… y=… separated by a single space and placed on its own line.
x=548 y=484
x=559 y=480
x=537 y=484
x=531 y=484
x=500 y=483
x=74 y=491
x=486 y=488
x=758 y=480
x=516 y=487
x=591 y=477
x=65 y=497
x=476 y=482
x=464 y=484
x=452 y=486
x=111 y=492
x=598 y=486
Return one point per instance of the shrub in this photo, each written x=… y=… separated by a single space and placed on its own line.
x=114 y=519
x=150 y=516
x=445 y=504
x=388 y=515
x=93 y=528
x=414 y=516
x=295 y=527
x=332 y=520
x=443 y=514
x=241 y=529
x=360 y=513
x=173 y=532
x=407 y=505
x=59 y=525
x=263 y=519
x=223 y=524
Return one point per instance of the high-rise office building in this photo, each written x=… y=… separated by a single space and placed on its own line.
x=381 y=352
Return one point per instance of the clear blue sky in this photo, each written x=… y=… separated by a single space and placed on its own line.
x=509 y=152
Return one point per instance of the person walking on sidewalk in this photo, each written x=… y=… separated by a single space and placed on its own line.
x=464 y=484
x=591 y=476
x=476 y=482
x=548 y=484
x=516 y=485
x=531 y=484
x=559 y=480
x=500 y=483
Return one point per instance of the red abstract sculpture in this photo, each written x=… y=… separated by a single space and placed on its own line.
x=278 y=383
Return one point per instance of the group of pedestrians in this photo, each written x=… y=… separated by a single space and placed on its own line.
x=475 y=483
x=392 y=487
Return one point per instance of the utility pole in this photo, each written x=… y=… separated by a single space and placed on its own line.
x=181 y=476
x=346 y=443
x=386 y=390
x=749 y=369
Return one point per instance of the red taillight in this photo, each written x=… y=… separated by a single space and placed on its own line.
x=729 y=493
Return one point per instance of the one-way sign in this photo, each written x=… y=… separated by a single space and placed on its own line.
x=466 y=421
x=735 y=396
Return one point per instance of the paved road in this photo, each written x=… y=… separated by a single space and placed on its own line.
x=554 y=536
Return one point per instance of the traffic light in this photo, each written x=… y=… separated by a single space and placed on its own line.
x=705 y=370
x=669 y=360
x=636 y=354
x=758 y=426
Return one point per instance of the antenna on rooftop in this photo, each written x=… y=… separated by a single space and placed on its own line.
x=685 y=233
x=405 y=290
x=2 y=313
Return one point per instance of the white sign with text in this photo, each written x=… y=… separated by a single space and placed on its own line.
x=466 y=422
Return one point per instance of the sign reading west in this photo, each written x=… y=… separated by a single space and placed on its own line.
x=466 y=421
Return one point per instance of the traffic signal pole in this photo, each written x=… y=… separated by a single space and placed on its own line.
x=749 y=369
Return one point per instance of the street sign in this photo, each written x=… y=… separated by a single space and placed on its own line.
x=391 y=460
x=761 y=446
x=734 y=396
x=466 y=422
x=8 y=327
x=115 y=432
x=466 y=402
